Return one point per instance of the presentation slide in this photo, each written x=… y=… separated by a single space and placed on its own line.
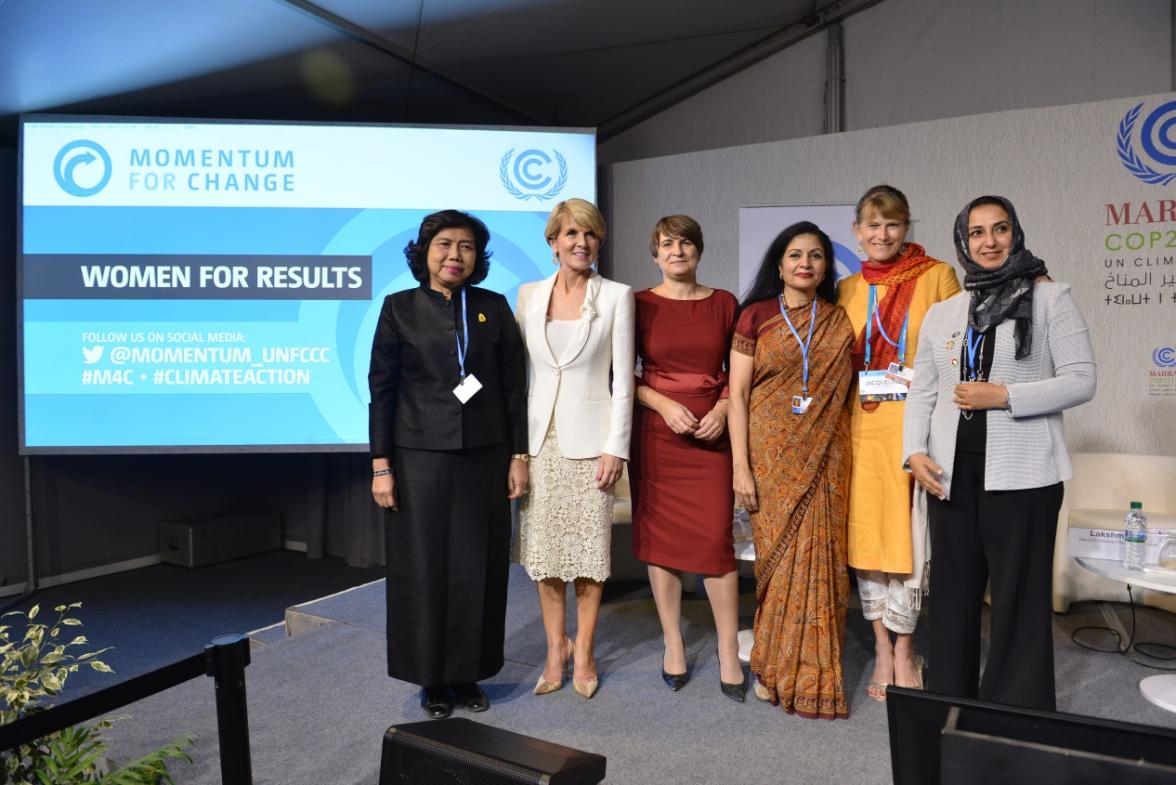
x=208 y=286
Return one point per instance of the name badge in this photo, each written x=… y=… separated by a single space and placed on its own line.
x=876 y=386
x=469 y=385
x=903 y=374
x=800 y=404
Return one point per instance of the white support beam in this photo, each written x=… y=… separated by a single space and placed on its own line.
x=835 y=79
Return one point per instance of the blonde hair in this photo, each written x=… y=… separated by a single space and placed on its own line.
x=578 y=211
x=885 y=200
x=682 y=226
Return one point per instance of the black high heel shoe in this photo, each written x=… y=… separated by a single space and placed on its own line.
x=675 y=681
x=736 y=692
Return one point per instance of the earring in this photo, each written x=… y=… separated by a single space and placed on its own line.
x=902 y=249
x=859 y=249
x=555 y=258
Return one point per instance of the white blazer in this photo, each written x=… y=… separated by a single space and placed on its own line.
x=590 y=416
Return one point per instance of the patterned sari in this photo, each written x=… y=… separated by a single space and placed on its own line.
x=801 y=465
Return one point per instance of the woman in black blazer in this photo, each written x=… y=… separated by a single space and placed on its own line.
x=448 y=411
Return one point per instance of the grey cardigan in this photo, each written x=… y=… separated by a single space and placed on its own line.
x=1026 y=447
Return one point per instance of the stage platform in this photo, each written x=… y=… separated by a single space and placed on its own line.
x=320 y=701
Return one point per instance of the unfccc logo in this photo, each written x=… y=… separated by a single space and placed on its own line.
x=1158 y=143
x=1164 y=357
x=82 y=168
x=529 y=174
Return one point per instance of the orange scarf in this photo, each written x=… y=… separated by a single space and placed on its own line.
x=900 y=277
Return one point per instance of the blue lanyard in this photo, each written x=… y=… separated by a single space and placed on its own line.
x=873 y=316
x=804 y=345
x=973 y=346
x=463 y=340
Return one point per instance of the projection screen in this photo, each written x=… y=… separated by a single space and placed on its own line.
x=213 y=286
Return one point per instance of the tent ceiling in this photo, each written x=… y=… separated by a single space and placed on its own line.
x=565 y=62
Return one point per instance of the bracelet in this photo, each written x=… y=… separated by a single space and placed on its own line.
x=522 y=456
x=381 y=472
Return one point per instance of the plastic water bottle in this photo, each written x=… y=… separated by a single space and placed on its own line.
x=1134 y=537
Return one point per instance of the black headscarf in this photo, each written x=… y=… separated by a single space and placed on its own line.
x=1007 y=291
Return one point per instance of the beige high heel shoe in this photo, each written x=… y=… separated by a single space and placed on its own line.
x=543 y=686
x=587 y=687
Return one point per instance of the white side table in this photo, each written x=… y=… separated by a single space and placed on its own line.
x=1159 y=689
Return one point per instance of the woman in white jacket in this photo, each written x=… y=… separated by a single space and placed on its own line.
x=577 y=327
x=996 y=366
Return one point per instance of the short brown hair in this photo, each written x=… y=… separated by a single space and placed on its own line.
x=580 y=211
x=671 y=226
x=887 y=201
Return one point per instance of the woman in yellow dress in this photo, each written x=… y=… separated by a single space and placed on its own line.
x=886 y=303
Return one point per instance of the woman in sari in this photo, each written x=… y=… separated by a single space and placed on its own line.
x=790 y=373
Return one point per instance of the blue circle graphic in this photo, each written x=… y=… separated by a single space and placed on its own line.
x=846 y=261
x=1148 y=138
x=65 y=164
x=524 y=165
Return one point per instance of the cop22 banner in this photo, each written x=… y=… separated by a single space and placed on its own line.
x=200 y=285
x=1138 y=280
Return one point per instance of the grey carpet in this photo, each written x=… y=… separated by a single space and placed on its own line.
x=320 y=702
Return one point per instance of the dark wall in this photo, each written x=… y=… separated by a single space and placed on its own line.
x=94 y=510
x=12 y=523
x=97 y=510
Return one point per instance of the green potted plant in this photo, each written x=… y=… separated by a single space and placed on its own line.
x=35 y=661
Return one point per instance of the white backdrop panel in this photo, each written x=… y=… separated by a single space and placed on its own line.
x=1061 y=167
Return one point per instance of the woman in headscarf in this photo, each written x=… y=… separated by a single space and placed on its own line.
x=996 y=367
x=886 y=303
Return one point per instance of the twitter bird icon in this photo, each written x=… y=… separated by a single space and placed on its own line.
x=93 y=354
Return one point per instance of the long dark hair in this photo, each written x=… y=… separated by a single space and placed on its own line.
x=768 y=285
x=416 y=253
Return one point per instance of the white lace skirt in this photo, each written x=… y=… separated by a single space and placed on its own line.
x=565 y=521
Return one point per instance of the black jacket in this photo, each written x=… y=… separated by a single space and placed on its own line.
x=414 y=370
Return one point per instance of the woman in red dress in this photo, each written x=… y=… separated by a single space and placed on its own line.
x=681 y=469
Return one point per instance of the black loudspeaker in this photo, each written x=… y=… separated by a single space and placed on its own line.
x=463 y=752
x=981 y=749
x=941 y=740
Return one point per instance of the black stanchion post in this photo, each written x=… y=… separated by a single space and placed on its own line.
x=226 y=658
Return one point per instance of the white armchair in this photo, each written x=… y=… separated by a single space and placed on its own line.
x=1103 y=486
